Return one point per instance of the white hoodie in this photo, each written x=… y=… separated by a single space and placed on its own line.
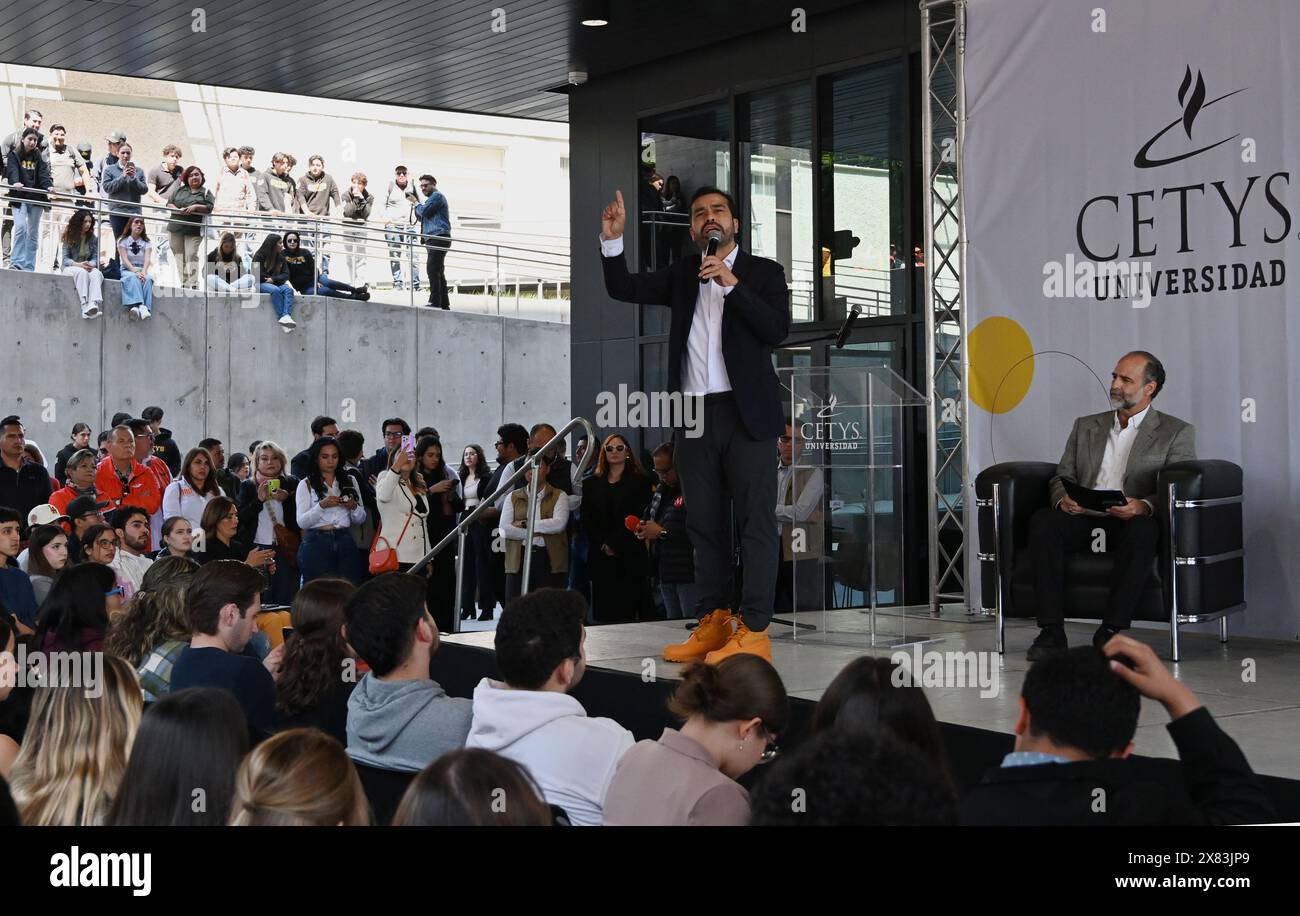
x=570 y=756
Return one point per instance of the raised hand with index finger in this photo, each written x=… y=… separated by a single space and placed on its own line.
x=613 y=218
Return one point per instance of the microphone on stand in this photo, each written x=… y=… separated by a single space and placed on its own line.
x=715 y=239
x=845 y=328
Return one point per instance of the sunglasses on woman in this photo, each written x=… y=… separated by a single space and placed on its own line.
x=615 y=448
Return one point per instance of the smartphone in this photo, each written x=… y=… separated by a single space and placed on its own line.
x=408 y=445
x=285 y=633
x=273 y=485
x=349 y=493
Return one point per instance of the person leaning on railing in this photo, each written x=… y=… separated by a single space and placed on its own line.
x=357 y=204
x=190 y=202
x=81 y=261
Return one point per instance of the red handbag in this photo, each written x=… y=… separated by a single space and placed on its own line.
x=384 y=559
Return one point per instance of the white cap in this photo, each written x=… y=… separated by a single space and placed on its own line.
x=44 y=514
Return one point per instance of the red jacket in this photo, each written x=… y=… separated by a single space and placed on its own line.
x=60 y=498
x=161 y=471
x=144 y=490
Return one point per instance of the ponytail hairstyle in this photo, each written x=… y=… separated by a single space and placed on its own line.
x=315 y=650
x=739 y=688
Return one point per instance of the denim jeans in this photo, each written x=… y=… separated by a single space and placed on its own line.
x=328 y=287
x=329 y=553
x=401 y=247
x=679 y=599
x=136 y=291
x=281 y=298
x=284 y=581
x=27 y=234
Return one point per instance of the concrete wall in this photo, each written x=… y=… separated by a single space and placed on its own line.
x=220 y=369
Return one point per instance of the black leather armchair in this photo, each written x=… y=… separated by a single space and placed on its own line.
x=1198 y=575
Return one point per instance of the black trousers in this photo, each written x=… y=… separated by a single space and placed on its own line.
x=539 y=576
x=801 y=585
x=435 y=267
x=720 y=470
x=477 y=571
x=1132 y=543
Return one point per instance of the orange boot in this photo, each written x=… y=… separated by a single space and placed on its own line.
x=743 y=641
x=712 y=633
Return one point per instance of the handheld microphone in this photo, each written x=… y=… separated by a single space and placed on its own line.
x=715 y=239
x=631 y=523
x=845 y=328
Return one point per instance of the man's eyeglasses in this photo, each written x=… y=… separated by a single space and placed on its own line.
x=615 y=448
x=785 y=440
x=396 y=435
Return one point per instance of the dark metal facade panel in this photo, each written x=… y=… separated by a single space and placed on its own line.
x=427 y=53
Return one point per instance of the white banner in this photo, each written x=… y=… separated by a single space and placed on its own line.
x=1132 y=181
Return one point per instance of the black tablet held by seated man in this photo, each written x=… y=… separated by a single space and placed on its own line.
x=1093 y=500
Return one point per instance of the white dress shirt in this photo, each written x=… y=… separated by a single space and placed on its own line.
x=704 y=371
x=807 y=501
x=1114 y=461
x=558 y=521
x=311 y=515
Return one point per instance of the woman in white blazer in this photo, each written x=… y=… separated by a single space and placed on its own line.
x=403 y=507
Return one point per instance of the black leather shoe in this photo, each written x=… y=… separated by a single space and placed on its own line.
x=1103 y=635
x=486 y=615
x=1050 y=640
x=467 y=614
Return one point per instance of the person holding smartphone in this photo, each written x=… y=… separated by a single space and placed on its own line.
x=124 y=182
x=267 y=520
x=328 y=505
x=402 y=498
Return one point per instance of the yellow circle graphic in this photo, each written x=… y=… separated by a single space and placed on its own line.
x=1001 y=364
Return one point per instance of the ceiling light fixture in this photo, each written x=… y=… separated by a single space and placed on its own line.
x=595 y=13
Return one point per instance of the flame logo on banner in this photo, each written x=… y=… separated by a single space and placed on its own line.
x=1191 y=106
x=1192 y=99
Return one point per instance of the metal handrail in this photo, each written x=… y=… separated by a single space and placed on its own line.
x=507 y=486
x=510 y=262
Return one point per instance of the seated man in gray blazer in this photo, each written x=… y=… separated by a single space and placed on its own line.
x=1123 y=449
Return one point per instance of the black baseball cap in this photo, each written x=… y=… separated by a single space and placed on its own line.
x=83 y=505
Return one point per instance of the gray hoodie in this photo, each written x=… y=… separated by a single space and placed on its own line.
x=404 y=725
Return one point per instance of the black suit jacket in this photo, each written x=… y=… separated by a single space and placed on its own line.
x=1221 y=788
x=300 y=464
x=755 y=318
x=250 y=507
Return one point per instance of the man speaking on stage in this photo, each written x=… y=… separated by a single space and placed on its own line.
x=729 y=309
x=1122 y=449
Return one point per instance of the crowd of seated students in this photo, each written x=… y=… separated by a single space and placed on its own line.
x=290 y=739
